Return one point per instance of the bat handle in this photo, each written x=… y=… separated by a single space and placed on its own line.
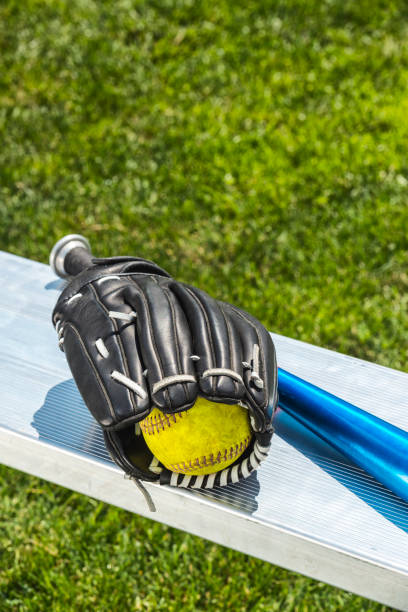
x=70 y=255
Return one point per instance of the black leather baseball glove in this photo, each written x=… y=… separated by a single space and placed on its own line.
x=135 y=338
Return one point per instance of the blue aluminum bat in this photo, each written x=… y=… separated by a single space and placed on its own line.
x=379 y=448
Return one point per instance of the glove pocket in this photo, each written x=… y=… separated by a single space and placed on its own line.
x=130 y=452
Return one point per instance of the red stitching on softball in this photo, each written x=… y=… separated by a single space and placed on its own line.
x=151 y=425
x=210 y=460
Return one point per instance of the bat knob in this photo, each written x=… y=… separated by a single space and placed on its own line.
x=64 y=246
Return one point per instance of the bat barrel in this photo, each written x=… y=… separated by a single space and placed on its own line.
x=379 y=448
x=70 y=255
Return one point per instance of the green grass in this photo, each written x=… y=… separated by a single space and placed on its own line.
x=255 y=149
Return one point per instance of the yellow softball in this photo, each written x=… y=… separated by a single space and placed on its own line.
x=204 y=439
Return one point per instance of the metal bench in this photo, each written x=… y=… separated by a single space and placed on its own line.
x=306 y=509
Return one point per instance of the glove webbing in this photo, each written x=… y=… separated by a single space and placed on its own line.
x=226 y=476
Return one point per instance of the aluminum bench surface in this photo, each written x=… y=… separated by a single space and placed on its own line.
x=306 y=509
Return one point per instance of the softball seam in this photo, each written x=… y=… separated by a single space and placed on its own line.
x=210 y=460
x=154 y=425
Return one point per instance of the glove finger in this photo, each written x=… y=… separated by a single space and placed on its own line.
x=259 y=361
x=94 y=352
x=165 y=344
x=119 y=349
x=215 y=342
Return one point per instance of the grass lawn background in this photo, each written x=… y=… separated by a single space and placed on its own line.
x=255 y=149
